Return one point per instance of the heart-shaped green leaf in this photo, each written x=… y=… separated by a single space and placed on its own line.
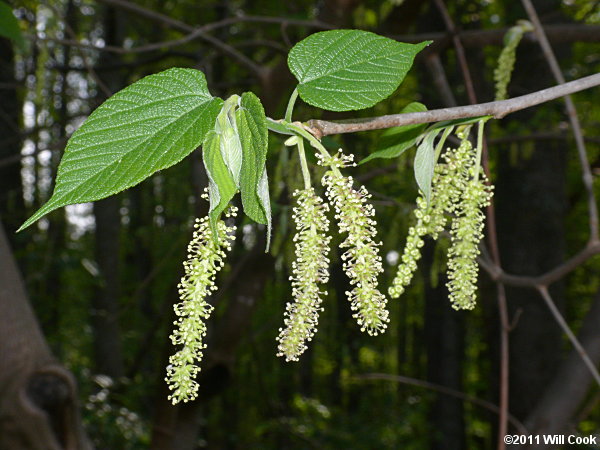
x=395 y=141
x=343 y=70
x=148 y=126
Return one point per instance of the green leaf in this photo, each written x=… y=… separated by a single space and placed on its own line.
x=395 y=141
x=146 y=127
x=9 y=26
x=343 y=70
x=252 y=128
x=221 y=185
x=424 y=163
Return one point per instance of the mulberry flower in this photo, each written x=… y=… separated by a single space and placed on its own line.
x=205 y=259
x=309 y=270
x=362 y=262
x=466 y=233
x=450 y=179
x=412 y=251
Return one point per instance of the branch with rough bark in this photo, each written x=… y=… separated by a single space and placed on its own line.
x=497 y=109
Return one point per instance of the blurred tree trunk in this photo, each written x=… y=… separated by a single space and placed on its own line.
x=12 y=206
x=38 y=396
x=105 y=315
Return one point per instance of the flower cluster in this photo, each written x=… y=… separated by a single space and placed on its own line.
x=465 y=234
x=362 y=262
x=456 y=191
x=309 y=270
x=205 y=259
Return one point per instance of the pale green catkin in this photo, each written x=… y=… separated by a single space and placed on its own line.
x=308 y=271
x=362 y=262
x=506 y=60
x=205 y=259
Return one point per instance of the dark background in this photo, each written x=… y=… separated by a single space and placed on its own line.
x=102 y=278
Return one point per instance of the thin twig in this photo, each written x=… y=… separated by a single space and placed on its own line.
x=587 y=177
x=545 y=279
x=201 y=33
x=565 y=327
x=492 y=237
x=460 y=51
x=497 y=109
x=443 y=390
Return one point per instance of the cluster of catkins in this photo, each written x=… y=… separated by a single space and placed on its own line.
x=460 y=191
x=362 y=263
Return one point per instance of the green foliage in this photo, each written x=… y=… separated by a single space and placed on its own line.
x=345 y=70
x=9 y=26
x=146 y=127
x=395 y=141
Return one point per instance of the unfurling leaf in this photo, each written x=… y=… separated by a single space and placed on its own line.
x=252 y=127
x=221 y=185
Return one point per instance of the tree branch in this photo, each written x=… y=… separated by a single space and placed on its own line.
x=497 y=109
x=565 y=327
x=446 y=391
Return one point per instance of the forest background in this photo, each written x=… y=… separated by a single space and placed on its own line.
x=86 y=364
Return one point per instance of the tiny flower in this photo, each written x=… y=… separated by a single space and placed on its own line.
x=309 y=270
x=362 y=262
x=205 y=259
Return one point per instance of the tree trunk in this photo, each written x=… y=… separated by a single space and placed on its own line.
x=38 y=396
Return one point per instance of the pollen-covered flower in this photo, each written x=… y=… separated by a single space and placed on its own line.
x=466 y=233
x=362 y=262
x=309 y=270
x=205 y=259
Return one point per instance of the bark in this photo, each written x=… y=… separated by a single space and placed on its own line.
x=38 y=396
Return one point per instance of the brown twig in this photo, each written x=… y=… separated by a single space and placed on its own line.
x=587 y=177
x=492 y=239
x=443 y=390
x=193 y=33
x=497 y=109
x=545 y=279
x=565 y=327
